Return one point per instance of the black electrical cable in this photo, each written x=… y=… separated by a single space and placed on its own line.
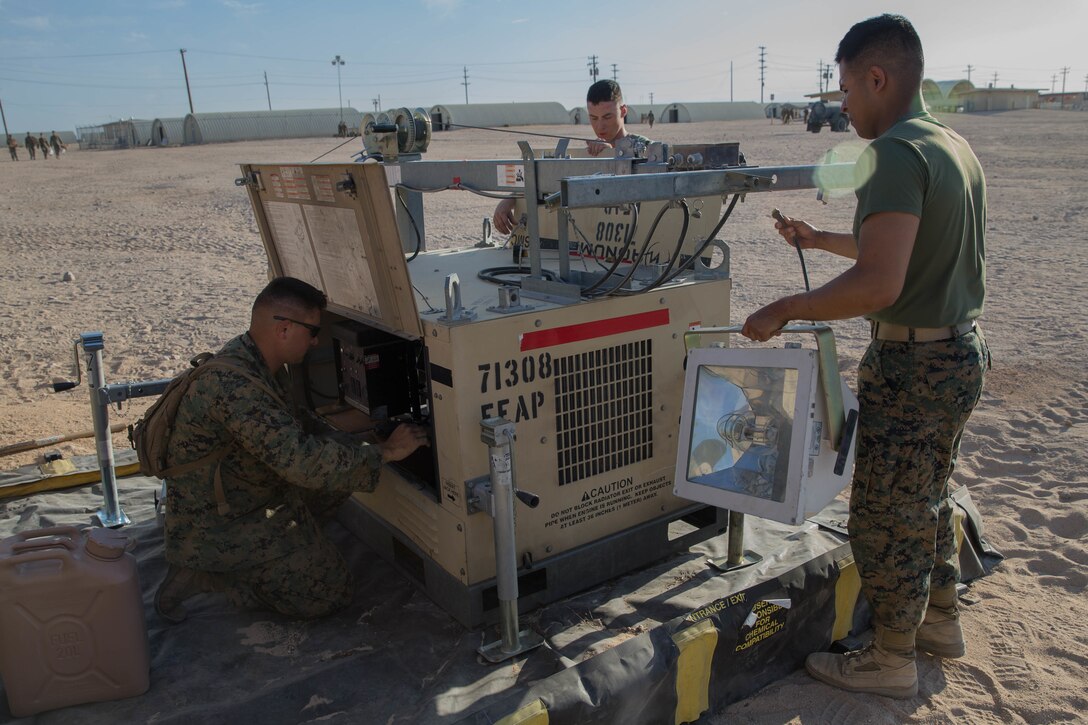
x=618 y=288
x=619 y=256
x=672 y=260
x=707 y=242
x=419 y=237
x=804 y=268
x=494 y=275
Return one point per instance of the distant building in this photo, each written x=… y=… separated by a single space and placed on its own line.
x=122 y=134
x=256 y=125
x=961 y=95
x=167 y=131
x=709 y=111
x=447 y=116
x=1077 y=101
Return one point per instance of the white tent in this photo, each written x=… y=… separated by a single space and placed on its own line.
x=166 y=131
x=710 y=111
x=251 y=125
x=445 y=117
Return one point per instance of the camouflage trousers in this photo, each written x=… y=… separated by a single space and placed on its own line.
x=915 y=399
x=311 y=582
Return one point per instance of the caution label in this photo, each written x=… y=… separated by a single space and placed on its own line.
x=607 y=498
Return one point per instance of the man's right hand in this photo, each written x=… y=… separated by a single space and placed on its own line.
x=403 y=442
x=798 y=233
x=503 y=219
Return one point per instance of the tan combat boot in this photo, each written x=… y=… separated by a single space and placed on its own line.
x=886 y=667
x=940 y=633
x=179 y=584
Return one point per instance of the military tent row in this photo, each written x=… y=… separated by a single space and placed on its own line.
x=130 y=133
x=682 y=112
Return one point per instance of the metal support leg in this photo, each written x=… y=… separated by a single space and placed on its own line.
x=110 y=515
x=499 y=436
x=736 y=557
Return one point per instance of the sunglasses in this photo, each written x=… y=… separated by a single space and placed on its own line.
x=315 y=330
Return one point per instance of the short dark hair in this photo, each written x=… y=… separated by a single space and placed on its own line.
x=889 y=41
x=604 y=92
x=291 y=292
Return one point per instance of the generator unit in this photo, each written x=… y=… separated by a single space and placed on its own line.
x=585 y=369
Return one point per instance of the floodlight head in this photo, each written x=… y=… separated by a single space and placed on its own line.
x=754 y=433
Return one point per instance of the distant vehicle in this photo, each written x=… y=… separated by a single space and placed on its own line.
x=827 y=113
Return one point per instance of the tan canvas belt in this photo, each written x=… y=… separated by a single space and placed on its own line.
x=902 y=333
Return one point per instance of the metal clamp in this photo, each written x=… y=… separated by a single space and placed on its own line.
x=455 y=314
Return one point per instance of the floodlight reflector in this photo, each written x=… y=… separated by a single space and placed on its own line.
x=754 y=436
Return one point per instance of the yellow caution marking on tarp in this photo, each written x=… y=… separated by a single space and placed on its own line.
x=697 y=644
x=847 y=589
x=535 y=713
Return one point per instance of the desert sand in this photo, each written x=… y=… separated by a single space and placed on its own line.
x=166 y=258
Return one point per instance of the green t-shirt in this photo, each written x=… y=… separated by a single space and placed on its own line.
x=922 y=167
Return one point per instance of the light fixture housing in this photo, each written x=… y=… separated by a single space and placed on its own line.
x=756 y=436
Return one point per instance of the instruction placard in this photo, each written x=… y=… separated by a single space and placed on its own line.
x=604 y=499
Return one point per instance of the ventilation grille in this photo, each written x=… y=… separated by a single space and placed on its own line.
x=603 y=410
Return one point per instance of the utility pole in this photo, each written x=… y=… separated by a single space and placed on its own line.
x=730 y=81
x=968 y=70
x=993 y=84
x=652 y=94
x=266 y=91
x=1065 y=72
x=1053 y=80
x=465 y=84
x=593 y=67
x=375 y=102
x=185 y=70
x=338 y=61
x=825 y=77
x=614 y=72
x=762 y=70
x=4 y=117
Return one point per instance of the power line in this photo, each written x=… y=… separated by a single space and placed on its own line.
x=593 y=67
x=465 y=84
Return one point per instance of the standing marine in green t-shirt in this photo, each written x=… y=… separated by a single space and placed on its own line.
x=919 y=277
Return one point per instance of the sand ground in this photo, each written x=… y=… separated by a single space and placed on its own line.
x=166 y=258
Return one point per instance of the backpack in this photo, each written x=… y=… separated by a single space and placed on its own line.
x=151 y=434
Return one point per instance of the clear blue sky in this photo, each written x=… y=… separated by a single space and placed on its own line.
x=74 y=63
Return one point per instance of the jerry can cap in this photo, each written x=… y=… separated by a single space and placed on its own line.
x=106 y=543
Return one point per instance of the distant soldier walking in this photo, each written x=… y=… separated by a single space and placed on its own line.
x=31 y=144
x=43 y=146
x=13 y=148
x=56 y=143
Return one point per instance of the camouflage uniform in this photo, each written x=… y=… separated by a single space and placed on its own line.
x=284 y=472
x=31 y=144
x=915 y=397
